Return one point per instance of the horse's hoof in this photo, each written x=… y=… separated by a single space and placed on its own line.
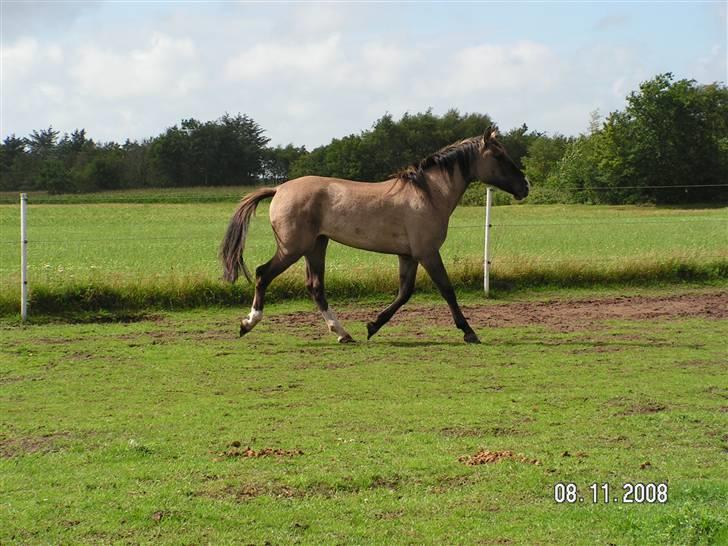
x=471 y=338
x=371 y=329
x=346 y=339
x=243 y=330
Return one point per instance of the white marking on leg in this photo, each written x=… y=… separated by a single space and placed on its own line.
x=252 y=319
x=334 y=325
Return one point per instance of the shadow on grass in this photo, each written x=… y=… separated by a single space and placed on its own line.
x=90 y=317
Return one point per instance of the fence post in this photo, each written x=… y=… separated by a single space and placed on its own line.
x=486 y=253
x=23 y=256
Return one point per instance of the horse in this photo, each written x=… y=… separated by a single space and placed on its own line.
x=406 y=215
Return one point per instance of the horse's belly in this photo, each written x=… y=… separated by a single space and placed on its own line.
x=375 y=236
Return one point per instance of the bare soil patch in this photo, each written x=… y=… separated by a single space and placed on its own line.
x=26 y=445
x=465 y=432
x=640 y=407
x=560 y=315
x=485 y=456
x=236 y=450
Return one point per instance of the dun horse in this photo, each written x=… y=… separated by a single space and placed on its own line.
x=406 y=215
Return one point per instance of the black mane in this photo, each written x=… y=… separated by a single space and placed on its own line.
x=459 y=153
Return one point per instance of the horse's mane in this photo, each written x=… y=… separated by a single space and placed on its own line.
x=459 y=153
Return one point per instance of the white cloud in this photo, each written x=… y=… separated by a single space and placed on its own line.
x=51 y=92
x=19 y=58
x=276 y=60
x=168 y=66
x=491 y=67
x=383 y=66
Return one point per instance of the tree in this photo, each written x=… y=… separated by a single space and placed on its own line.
x=54 y=177
x=669 y=134
x=389 y=145
x=12 y=153
x=541 y=164
x=277 y=162
x=518 y=141
x=226 y=151
x=42 y=143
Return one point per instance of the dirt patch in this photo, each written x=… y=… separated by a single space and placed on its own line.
x=700 y=363
x=26 y=445
x=560 y=315
x=447 y=483
x=644 y=408
x=485 y=456
x=389 y=514
x=248 y=491
x=7 y=379
x=236 y=450
x=468 y=432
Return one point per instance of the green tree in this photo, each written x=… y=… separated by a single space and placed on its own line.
x=389 y=145
x=277 y=162
x=671 y=133
x=541 y=165
x=518 y=141
x=42 y=143
x=54 y=177
x=12 y=156
x=226 y=151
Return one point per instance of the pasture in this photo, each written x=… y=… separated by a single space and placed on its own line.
x=126 y=418
x=170 y=429
x=159 y=249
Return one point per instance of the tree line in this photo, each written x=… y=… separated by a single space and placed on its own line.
x=671 y=133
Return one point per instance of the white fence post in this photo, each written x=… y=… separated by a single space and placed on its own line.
x=23 y=256
x=486 y=253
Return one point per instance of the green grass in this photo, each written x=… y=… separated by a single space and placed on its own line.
x=161 y=251
x=117 y=432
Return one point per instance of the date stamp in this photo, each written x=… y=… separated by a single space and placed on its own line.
x=604 y=493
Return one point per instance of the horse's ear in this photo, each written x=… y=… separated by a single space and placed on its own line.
x=486 y=135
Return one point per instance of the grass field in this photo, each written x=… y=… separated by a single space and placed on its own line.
x=158 y=248
x=136 y=432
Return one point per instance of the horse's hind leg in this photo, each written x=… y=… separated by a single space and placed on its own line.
x=315 y=266
x=264 y=275
x=436 y=269
x=407 y=275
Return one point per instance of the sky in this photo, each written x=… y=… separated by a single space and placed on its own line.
x=310 y=72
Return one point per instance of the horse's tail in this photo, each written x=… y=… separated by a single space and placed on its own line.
x=231 y=248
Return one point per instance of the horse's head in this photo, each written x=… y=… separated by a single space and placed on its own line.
x=495 y=167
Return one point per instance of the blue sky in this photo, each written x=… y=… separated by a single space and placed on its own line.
x=309 y=72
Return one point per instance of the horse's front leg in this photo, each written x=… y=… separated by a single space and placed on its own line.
x=407 y=275
x=436 y=269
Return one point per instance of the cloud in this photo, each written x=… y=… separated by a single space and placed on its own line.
x=492 y=67
x=18 y=59
x=272 y=59
x=383 y=66
x=168 y=66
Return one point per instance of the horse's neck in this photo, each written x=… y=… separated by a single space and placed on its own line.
x=449 y=188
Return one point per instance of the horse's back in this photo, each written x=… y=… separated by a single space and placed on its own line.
x=359 y=214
